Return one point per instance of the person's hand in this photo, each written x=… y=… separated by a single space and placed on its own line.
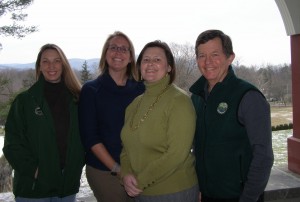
x=199 y=196
x=130 y=185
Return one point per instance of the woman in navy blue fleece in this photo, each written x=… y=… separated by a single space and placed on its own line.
x=102 y=107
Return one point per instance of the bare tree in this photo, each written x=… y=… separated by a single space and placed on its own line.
x=247 y=73
x=29 y=79
x=4 y=96
x=12 y=81
x=4 y=81
x=281 y=84
x=5 y=175
x=186 y=66
x=264 y=78
x=6 y=84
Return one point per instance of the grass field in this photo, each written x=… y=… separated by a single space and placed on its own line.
x=281 y=115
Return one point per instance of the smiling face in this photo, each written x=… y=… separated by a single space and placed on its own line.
x=118 y=54
x=154 y=65
x=212 y=62
x=51 y=66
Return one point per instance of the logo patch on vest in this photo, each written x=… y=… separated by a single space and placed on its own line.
x=222 y=108
x=38 y=111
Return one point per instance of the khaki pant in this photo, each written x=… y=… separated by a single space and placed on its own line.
x=106 y=187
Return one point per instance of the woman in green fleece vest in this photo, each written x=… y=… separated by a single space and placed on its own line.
x=156 y=160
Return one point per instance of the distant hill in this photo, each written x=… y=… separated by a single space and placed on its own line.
x=75 y=63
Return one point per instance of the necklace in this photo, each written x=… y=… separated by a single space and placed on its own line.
x=151 y=107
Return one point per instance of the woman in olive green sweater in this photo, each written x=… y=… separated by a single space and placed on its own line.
x=156 y=161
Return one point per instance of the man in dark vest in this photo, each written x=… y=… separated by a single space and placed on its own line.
x=233 y=141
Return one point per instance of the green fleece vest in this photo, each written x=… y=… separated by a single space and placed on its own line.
x=222 y=147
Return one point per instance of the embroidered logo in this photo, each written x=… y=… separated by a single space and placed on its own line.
x=38 y=111
x=222 y=108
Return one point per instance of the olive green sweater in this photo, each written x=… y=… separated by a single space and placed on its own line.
x=158 y=152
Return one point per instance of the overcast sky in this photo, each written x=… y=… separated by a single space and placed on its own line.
x=81 y=27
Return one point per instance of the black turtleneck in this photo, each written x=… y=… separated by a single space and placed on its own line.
x=57 y=97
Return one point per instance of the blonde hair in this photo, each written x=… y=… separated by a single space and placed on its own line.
x=68 y=75
x=132 y=71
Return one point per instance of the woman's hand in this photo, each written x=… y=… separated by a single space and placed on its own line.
x=130 y=185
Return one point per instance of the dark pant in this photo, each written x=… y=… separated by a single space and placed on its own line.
x=208 y=199
x=188 y=195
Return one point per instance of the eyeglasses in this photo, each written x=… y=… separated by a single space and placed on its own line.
x=120 y=49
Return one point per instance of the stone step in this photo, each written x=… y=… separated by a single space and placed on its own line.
x=283 y=185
